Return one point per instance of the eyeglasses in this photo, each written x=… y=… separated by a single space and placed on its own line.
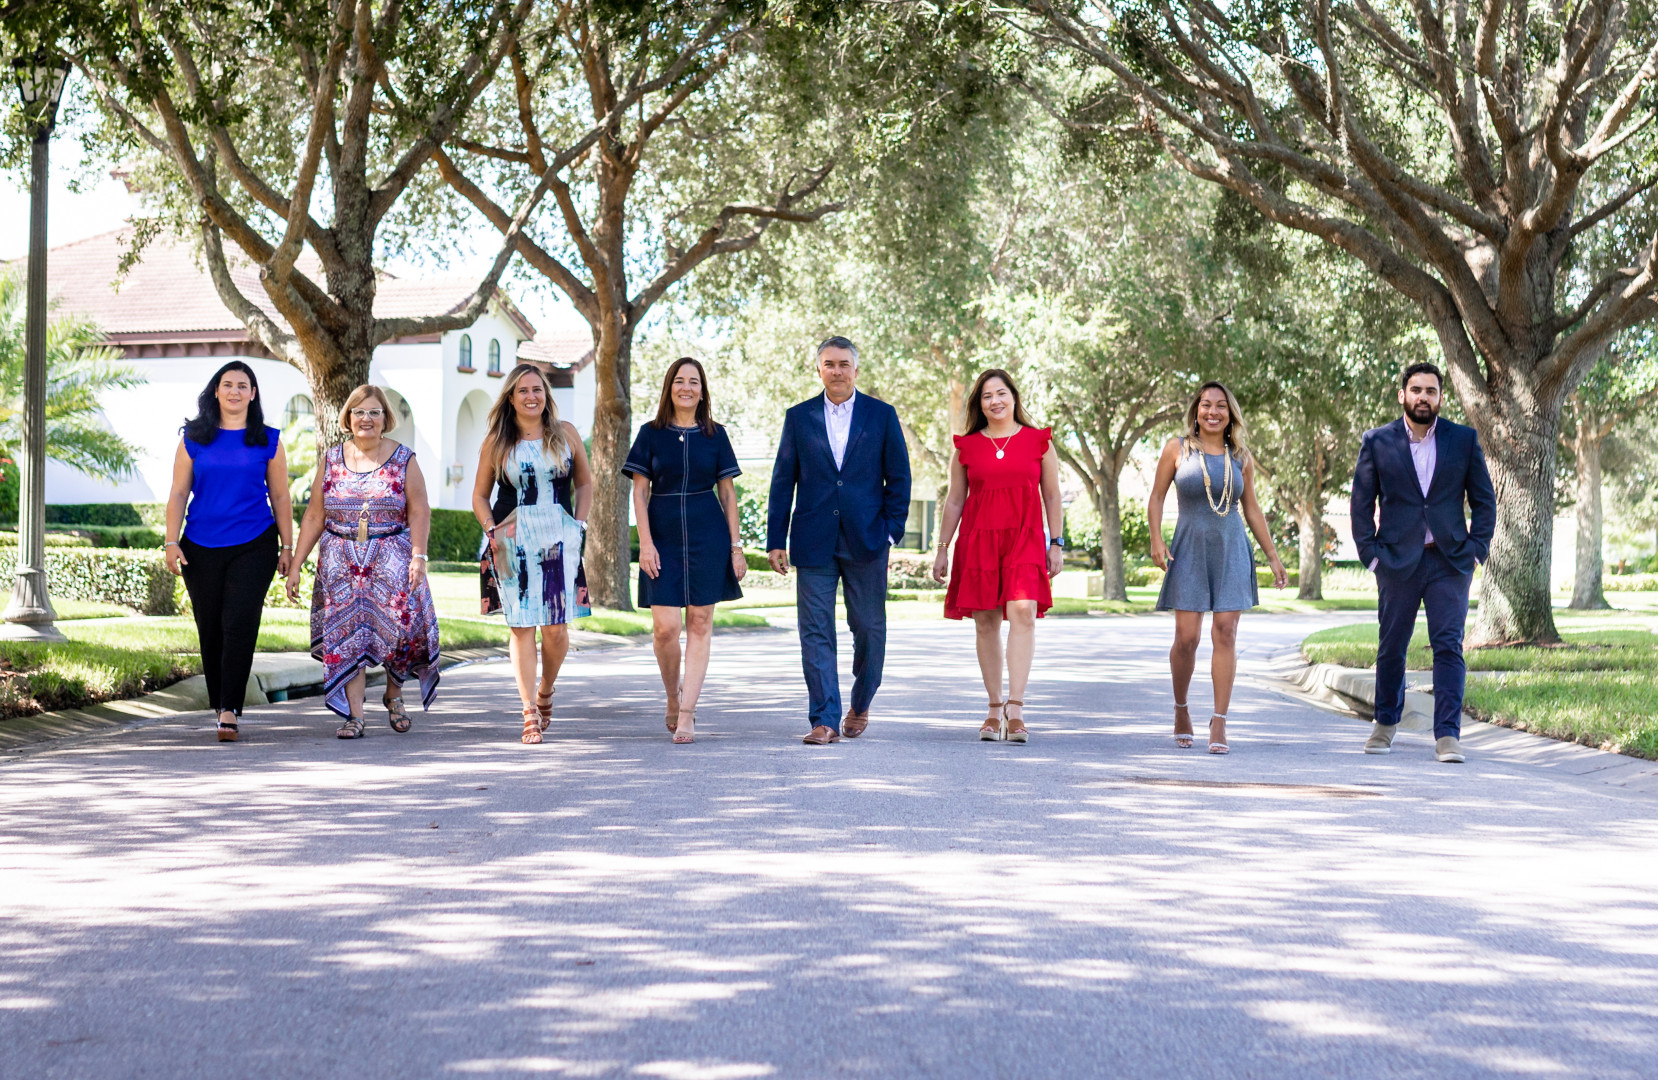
x=367 y=414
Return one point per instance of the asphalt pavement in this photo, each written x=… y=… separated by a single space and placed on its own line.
x=1097 y=903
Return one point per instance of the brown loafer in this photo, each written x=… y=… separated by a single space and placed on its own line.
x=822 y=735
x=854 y=724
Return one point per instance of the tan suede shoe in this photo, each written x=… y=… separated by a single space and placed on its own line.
x=1449 y=750
x=1381 y=739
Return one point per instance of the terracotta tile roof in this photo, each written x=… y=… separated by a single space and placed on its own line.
x=169 y=290
x=570 y=351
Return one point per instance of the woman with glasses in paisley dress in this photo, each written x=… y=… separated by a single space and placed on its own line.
x=372 y=605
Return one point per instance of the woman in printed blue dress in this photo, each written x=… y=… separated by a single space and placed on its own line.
x=690 y=551
x=533 y=530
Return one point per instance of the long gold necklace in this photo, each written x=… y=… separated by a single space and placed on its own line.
x=1226 y=502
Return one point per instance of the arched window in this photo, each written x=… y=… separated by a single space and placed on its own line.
x=494 y=357
x=466 y=352
x=299 y=410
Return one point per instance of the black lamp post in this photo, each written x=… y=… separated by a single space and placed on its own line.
x=40 y=80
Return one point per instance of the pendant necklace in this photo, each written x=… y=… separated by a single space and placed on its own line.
x=1226 y=499
x=1000 y=452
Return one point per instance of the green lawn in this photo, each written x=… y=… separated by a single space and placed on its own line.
x=1597 y=688
x=39 y=677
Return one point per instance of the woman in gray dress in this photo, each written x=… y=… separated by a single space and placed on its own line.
x=1209 y=567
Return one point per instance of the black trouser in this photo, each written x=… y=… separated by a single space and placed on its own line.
x=227 y=587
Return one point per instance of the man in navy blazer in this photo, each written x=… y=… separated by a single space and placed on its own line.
x=1423 y=550
x=840 y=493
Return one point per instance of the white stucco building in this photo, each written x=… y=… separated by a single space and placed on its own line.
x=166 y=317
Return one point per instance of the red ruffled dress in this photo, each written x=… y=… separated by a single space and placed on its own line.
x=1001 y=550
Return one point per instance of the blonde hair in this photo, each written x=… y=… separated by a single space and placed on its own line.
x=360 y=395
x=1235 y=427
x=503 y=420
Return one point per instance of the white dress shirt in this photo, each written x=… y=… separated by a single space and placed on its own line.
x=838 y=419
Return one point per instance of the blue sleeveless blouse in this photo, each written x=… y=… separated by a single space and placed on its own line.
x=230 y=503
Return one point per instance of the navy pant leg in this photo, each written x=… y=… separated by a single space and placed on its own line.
x=1445 y=595
x=1398 y=596
x=866 y=614
x=814 y=591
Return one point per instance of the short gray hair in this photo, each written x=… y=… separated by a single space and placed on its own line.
x=839 y=342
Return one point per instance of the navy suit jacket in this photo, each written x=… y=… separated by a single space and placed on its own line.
x=1387 y=475
x=867 y=498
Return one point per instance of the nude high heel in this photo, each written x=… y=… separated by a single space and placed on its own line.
x=1217 y=747
x=1009 y=732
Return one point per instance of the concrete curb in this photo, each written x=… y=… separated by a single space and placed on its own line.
x=1354 y=689
x=273 y=677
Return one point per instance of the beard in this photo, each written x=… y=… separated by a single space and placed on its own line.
x=1422 y=412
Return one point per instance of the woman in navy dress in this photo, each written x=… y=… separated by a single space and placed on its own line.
x=690 y=551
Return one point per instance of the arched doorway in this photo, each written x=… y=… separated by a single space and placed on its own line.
x=471 y=424
x=404 y=432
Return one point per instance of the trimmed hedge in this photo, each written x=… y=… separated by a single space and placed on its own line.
x=111 y=536
x=108 y=514
x=456 y=536
x=132 y=578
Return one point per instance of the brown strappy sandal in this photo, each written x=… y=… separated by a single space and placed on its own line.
x=544 y=706
x=399 y=716
x=532 y=726
x=1013 y=729
x=991 y=729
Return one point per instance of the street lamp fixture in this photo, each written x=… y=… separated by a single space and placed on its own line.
x=40 y=80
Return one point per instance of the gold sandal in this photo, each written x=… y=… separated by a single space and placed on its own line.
x=532 y=726
x=991 y=729
x=1009 y=731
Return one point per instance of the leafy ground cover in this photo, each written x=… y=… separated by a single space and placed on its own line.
x=1598 y=688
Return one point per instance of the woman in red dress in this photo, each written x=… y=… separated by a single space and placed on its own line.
x=1004 y=478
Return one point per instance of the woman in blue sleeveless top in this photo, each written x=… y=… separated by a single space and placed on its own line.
x=232 y=476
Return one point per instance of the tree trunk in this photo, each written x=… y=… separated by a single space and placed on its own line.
x=1519 y=440
x=1587 y=594
x=606 y=556
x=1309 y=520
x=1112 y=575
x=330 y=386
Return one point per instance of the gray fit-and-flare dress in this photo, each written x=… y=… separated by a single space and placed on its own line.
x=1211 y=565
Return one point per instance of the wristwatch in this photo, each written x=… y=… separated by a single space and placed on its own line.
x=1058 y=542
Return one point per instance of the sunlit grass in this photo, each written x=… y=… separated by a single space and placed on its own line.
x=1597 y=688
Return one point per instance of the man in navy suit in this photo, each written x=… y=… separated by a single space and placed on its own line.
x=844 y=471
x=1421 y=468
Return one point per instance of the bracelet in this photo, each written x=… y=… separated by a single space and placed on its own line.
x=421 y=555
x=171 y=543
x=736 y=547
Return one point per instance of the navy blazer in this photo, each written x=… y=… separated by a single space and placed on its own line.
x=868 y=497
x=1387 y=475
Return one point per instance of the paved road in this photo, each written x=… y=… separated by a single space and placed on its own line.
x=1096 y=903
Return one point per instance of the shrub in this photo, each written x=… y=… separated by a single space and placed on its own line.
x=11 y=485
x=51 y=540
x=455 y=536
x=1263 y=578
x=1143 y=577
x=753 y=491
x=151 y=514
x=110 y=536
x=1629 y=582
x=134 y=579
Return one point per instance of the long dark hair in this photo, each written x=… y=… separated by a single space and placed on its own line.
x=976 y=419
x=203 y=428
x=665 y=407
